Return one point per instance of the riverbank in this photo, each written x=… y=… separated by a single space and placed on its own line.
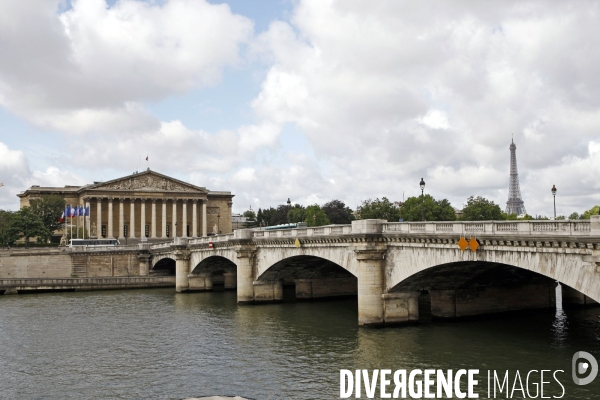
x=34 y=285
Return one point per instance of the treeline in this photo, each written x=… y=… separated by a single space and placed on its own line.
x=39 y=221
x=413 y=209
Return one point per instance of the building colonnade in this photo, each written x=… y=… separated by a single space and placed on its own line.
x=147 y=218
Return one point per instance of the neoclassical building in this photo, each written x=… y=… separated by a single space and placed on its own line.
x=145 y=204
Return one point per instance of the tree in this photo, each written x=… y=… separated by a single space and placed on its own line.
x=26 y=224
x=296 y=214
x=592 y=211
x=435 y=210
x=7 y=234
x=337 y=212
x=481 y=209
x=250 y=219
x=574 y=215
x=378 y=209
x=315 y=216
x=49 y=208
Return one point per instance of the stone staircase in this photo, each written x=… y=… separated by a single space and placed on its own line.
x=79 y=265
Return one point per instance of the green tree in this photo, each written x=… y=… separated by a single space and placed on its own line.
x=49 y=208
x=337 y=212
x=574 y=215
x=435 y=210
x=481 y=209
x=251 y=220
x=315 y=216
x=378 y=209
x=560 y=218
x=28 y=225
x=296 y=214
x=7 y=234
x=592 y=211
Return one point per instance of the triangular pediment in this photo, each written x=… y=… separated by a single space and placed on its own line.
x=147 y=181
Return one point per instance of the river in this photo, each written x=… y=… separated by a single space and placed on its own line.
x=159 y=344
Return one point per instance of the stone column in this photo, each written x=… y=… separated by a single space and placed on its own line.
x=174 y=218
x=110 y=233
x=132 y=218
x=200 y=282
x=143 y=218
x=182 y=270
x=370 y=283
x=401 y=307
x=121 y=219
x=195 y=217
x=204 y=217
x=153 y=227
x=245 y=274
x=443 y=303
x=184 y=218
x=164 y=219
x=230 y=280
x=267 y=291
x=99 y=217
x=144 y=260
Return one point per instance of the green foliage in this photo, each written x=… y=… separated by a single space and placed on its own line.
x=337 y=212
x=526 y=217
x=250 y=215
x=560 y=218
x=592 y=211
x=434 y=210
x=7 y=234
x=296 y=214
x=574 y=215
x=251 y=220
x=49 y=209
x=510 y=217
x=542 y=218
x=379 y=209
x=315 y=216
x=27 y=224
x=481 y=209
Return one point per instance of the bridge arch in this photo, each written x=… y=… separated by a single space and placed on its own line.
x=274 y=259
x=408 y=267
x=164 y=265
x=215 y=264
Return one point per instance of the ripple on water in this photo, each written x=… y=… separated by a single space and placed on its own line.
x=158 y=344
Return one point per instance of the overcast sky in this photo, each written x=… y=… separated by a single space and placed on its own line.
x=312 y=100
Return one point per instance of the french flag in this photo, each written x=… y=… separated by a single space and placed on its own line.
x=81 y=211
x=74 y=211
x=62 y=217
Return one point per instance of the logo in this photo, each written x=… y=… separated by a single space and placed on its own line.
x=581 y=367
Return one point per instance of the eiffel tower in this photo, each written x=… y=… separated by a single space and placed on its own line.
x=515 y=204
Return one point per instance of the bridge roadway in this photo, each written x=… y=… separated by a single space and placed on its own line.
x=390 y=265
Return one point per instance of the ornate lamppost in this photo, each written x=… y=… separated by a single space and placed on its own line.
x=422 y=184
x=219 y=223
x=554 y=197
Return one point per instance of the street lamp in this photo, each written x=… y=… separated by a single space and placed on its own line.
x=124 y=228
x=554 y=196
x=422 y=184
x=219 y=223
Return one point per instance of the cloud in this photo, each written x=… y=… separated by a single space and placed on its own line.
x=69 y=70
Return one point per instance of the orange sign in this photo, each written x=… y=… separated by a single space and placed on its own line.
x=473 y=244
x=462 y=243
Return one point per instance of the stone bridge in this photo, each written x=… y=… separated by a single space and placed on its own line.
x=513 y=265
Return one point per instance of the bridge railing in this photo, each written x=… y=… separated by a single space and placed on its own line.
x=534 y=228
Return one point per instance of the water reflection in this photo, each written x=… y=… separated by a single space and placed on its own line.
x=158 y=344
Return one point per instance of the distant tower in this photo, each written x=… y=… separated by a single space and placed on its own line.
x=515 y=204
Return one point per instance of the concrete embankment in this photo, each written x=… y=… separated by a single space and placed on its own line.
x=31 y=285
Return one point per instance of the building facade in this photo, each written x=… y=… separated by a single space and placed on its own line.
x=145 y=205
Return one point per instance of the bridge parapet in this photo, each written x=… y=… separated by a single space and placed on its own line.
x=517 y=228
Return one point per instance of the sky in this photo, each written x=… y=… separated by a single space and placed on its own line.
x=311 y=100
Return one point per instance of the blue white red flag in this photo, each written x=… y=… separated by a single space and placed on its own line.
x=74 y=211
x=87 y=211
x=81 y=211
x=68 y=213
x=62 y=217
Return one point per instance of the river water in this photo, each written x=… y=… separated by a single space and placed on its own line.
x=159 y=344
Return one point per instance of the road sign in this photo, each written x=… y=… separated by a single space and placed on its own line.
x=210 y=246
x=462 y=243
x=297 y=243
x=473 y=245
